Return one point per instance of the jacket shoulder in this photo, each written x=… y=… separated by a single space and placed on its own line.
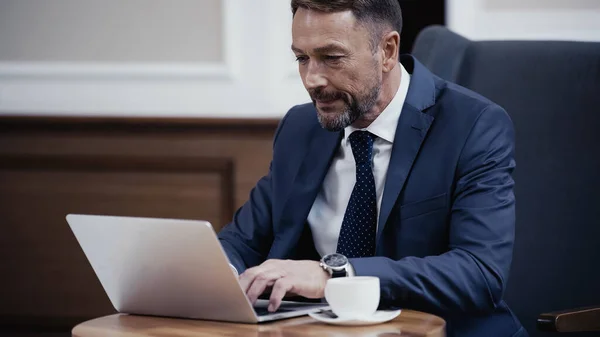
x=296 y=123
x=302 y=114
x=463 y=103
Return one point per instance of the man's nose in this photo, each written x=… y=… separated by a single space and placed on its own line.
x=314 y=77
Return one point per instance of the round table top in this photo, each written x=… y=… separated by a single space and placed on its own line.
x=409 y=323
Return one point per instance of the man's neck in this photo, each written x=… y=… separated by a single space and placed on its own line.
x=389 y=88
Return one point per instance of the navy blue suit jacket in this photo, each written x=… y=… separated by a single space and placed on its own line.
x=446 y=223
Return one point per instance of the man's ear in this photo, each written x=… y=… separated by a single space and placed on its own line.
x=390 y=44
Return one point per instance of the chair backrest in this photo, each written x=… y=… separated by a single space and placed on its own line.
x=433 y=46
x=551 y=90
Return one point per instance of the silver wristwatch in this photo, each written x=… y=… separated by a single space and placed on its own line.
x=336 y=265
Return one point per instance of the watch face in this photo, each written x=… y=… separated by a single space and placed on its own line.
x=335 y=260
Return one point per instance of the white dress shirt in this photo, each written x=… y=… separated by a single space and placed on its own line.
x=327 y=212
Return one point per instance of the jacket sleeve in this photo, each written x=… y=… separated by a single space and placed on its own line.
x=471 y=275
x=247 y=239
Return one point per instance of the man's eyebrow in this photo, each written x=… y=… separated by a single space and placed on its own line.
x=297 y=50
x=322 y=50
x=329 y=48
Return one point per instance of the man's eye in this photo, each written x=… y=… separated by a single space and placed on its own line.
x=301 y=59
x=333 y=57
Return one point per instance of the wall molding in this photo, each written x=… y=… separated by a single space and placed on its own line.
x=223 y=167
x=117 y=71
x=242 y=126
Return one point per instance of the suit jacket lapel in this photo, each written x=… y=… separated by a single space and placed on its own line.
x=413 y=126
x=304 y=189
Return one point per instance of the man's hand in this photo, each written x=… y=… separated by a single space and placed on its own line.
x=304 y=278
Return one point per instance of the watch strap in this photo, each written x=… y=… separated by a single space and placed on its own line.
x=339 y=273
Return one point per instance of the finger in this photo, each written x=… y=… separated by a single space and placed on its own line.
x=247 y=277
x=261 y=282
x=250 y=274
x=281 y=287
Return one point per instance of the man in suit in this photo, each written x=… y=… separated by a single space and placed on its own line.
x=390 y=172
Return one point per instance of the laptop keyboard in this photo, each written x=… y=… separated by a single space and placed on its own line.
x=262 y=311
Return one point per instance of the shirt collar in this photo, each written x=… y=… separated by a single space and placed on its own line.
x=384 y=126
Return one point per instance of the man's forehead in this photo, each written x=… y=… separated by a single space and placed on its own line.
x=314 y=29
x=310 y=17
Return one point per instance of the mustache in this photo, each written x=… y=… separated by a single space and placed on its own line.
x=320 y=94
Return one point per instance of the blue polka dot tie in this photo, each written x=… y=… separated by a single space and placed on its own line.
x=359 y=227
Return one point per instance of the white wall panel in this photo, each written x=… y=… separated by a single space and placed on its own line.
x=577 y=20
x=111 y=30
x=254 y=74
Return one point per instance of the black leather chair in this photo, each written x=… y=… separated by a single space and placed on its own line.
x=551 y=90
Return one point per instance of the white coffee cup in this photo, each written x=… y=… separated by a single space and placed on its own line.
x=353 y=297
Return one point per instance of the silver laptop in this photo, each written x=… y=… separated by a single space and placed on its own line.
x=172 y=268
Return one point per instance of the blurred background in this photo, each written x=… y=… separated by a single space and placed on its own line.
x=167 y=109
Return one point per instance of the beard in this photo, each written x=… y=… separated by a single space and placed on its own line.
x=355 y=106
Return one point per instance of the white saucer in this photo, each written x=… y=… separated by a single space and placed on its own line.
x=380 y=316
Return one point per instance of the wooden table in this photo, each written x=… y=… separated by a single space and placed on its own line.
x=409 y=323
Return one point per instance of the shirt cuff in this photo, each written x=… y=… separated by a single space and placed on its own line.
x=235 y=270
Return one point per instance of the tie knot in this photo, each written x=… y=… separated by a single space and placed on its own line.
x=362 y=146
